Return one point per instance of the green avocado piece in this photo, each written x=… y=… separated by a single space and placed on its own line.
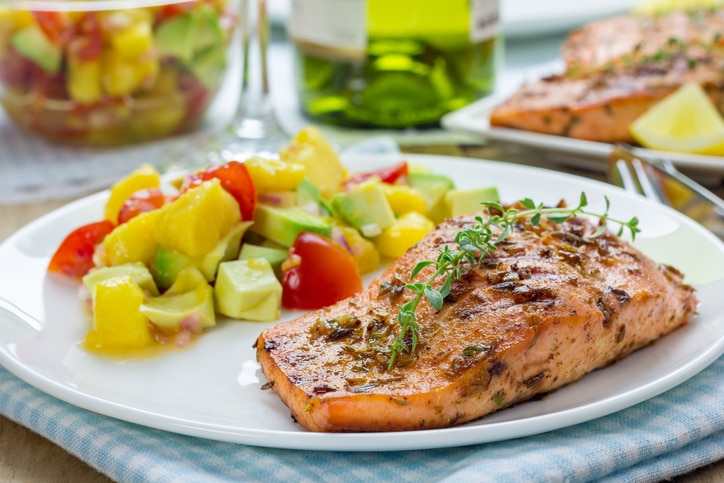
x=208 y=65
x=282 y=225
x=187 y=280
x=32 y=43
x=308 y=195
x=248 y=289
x=166 y=266
x=138 y=272
x=169 y=312
x=168 y=262
x=365 y=207
x=433 y=187
x=207 y=29
x=463 y=202
x=175 y=37
x=274 y=256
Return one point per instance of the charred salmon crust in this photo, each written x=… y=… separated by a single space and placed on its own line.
x=550 y=305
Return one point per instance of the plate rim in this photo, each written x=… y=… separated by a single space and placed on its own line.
x=381 y=441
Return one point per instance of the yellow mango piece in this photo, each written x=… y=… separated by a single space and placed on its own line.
x=324 y=169
x=120 y=75
x=143 y=177
x=407 y=230
x=364 y=252
x=84 y=80
x=273 y=175
x=118 y=323
x=197 y=220
x=133 y=241
x=133 y=41
x=403 y=198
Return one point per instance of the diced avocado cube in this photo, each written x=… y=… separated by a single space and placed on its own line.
x=192 y=310
x=166 y=266
x=463 y=202
x=248 y=289
x=168 y=262
x=282 y=225
x=274 y=256
x=209 y=64
x=187 y=280
x=310 y=199
x=137 y=271
x=226 y=249
x=175 y=38
x=365 y=208
x=433 y=188
x=207 y=29
x=32 y=43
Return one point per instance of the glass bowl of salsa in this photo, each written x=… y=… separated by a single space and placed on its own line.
x=112 y=72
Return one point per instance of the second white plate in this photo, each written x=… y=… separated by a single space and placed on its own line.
x=475 y=119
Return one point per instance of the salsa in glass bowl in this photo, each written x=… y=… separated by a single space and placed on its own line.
x=112 y=72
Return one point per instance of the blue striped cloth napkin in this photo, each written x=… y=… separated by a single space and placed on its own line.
x=672 y=434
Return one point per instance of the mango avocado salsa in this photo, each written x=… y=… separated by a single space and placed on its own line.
x=244 y=240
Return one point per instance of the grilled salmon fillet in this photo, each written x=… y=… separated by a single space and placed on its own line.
x=549 y=306
x=616 y=70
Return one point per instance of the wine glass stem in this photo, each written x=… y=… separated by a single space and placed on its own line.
x=254 y=117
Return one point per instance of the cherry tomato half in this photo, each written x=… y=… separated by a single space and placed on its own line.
x=54 y=25
x=87 y=42
x=235 y=179
x=388 y=174
x=142 y=201
x=74 y=256
x=321 y=274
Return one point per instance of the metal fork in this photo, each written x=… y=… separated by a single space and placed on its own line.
x=659 y=180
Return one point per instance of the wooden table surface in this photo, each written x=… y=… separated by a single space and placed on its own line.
x=27 y=457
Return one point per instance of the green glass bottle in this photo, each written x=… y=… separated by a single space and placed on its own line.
x=393 y=63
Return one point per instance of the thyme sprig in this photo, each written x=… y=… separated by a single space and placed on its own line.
x=473 y=245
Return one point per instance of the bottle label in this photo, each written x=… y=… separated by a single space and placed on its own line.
x=339 y=28
x=484 y=19
x=329 y=27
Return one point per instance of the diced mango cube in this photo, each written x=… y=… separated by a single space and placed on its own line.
x=133 y=41
x=324 y=169
x=403 y=198
x=84 y=80
x=143 y=177
x=118 y=323
x=123 y=76
x=364 y=252
x=407 y=230
x=197 y=220
x=133 y=241
x=273 y=175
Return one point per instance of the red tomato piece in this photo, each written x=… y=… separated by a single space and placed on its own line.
x=235 y=179
x=322 y=273
x=53 y=25
x=74 y=256
x=87 y=42
x=142 y=201
x=171 y=10
x=388 y=174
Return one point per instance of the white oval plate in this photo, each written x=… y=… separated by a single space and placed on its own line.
x=212 y=390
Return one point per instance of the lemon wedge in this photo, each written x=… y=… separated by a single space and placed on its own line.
x=684 y=121
x=653 y=7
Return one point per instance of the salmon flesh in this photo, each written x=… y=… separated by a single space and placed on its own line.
x=616 y=69
x=550 y=305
